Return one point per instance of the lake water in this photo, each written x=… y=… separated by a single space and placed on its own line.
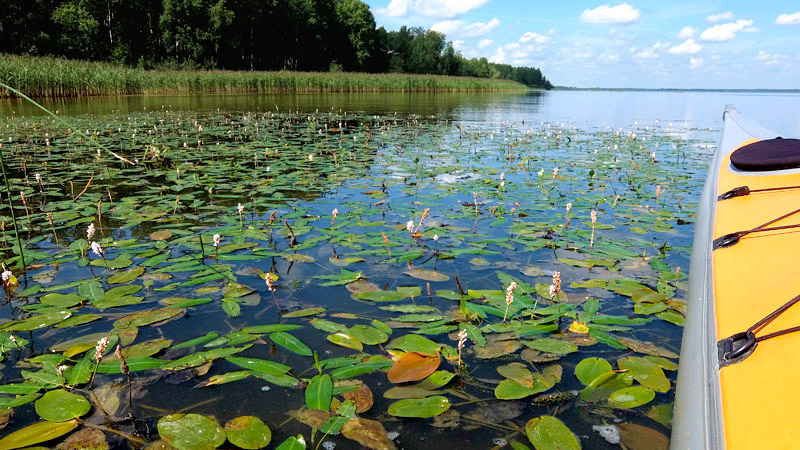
x=484 y=180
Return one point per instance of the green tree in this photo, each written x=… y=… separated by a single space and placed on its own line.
x=79 y=29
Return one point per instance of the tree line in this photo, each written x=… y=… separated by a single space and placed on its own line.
x=306 y=35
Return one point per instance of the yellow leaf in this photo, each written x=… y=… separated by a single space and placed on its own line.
x=578 y=327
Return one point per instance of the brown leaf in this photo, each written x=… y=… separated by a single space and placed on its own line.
x=535 y=356
x=5 y=416
x=413 y=366
x=647 y=348
x=361 y=397
x=368 y=433
x=638 y=437
x=85 y=439
x=314 y=418
x=497 y=349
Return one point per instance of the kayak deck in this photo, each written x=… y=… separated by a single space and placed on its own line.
x=750 y=280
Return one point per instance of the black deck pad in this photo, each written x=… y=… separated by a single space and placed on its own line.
x=769 y=154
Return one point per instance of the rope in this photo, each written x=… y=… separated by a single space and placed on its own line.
x=730 y=353
x=733 y=238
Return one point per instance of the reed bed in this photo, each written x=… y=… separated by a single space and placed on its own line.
x=58 y=77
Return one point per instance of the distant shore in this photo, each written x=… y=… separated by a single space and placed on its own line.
x=58 y=77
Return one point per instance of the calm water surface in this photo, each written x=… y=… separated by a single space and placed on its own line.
x=396 y=154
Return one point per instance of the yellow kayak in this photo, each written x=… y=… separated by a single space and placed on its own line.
x=739 y=378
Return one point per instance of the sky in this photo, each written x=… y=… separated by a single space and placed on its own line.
x=634 y=44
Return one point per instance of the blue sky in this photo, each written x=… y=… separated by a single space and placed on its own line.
x=653 y=44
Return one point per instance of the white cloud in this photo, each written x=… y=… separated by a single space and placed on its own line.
x=686 y=32
x=714 y=18
x=535 y=37
x=689 y=47
x=649 y=52
x=499 y=56
x=620 y=14
x=727 y=31
x=456 y=28
x=769 y=58
x=695 y=62
x=438 y=9
x=788 y=19
x=458 y=44
x=485 y=43
x=447 y=27
x=480 y=28
x=608 y=57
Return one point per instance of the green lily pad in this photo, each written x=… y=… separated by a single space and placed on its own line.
x=304 y=312
x=549 y=433
x=60 y=405
x=631 y=397
x=646 y=373
x=590 y=368
x=191 y=431
x=421 y=408
x=248 y=432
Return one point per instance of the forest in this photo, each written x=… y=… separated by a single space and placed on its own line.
x=297 y=35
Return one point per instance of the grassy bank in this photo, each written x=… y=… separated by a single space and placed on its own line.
x=57 y=77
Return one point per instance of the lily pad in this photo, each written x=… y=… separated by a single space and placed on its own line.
x=191 y=431
x=590 y=368
x=60 y=405
x=248 y=432
x=631 y=397
x=549 y=433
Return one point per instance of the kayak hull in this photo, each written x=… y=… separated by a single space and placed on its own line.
x=699 y=421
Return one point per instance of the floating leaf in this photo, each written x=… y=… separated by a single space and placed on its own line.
x=125 y=276
x=191 y=431
x=631 y=397
x=604 y=385
x=345 y=340
x=646 y=348
x=362 y=397
x=497 y=349
x=85 y=439
x=550 y=345
x=248 y=432
x=427 y=275
x=304 y=312
x=367 y=334
x=380 y=296
x=59 y=406
x=36 y=433
x=293 y=443
x=639 y=437
x=549 y=433
x=646 y=373
x=415 y=343
x=160 y=235
x=413 y=366
x=61 y=300
x=421 y=408
x=590 y=368
x=148 y=317
x=319 y=392
x=368 y=433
